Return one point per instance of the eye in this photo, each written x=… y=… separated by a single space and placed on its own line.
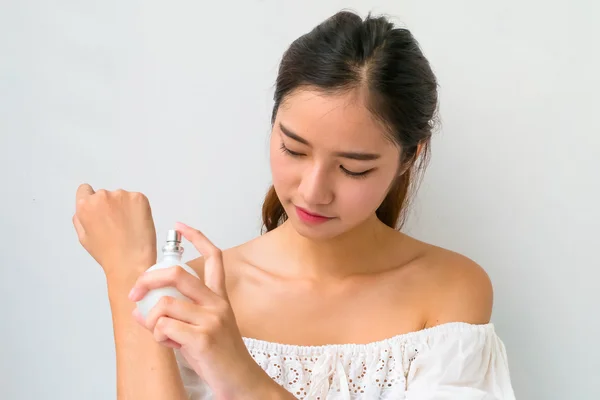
x=353 y=174
x=290 y=152
x=349 y=173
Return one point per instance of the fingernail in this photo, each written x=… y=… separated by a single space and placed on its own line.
x=132 y=293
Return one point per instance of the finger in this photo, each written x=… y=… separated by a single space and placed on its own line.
x=140 y=320
x=174 y=330
x=137 y=315
x=190 y=286
x=171 y=344
x=84 y=190
x=78 y=227
x=214 y=271
x=171 y=307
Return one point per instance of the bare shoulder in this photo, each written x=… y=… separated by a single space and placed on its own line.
x=458 y=289
x=197 y=264
x=233 y=258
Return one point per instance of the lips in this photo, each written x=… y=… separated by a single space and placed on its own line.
x=310 y=217
x=312 y=214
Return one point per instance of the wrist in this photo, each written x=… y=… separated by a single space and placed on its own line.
x=261 y=386
x=123 y=277
x=270 y=389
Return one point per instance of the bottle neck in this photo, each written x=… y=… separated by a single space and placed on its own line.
x=172 y=256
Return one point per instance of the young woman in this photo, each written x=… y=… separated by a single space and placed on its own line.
x=332 y=301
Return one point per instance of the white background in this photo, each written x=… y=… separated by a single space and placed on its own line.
x=173 y=99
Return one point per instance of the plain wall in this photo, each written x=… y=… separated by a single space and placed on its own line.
x=174 y=98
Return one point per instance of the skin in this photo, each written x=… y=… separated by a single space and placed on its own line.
x=325 y=281
x=302 y=283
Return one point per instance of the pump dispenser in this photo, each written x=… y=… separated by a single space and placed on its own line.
x=172 y=252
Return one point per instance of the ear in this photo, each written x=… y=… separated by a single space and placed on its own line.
x=420 y=148
x=403 y=168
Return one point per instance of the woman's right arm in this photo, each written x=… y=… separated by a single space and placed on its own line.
x=145 y=369
x=118 y=231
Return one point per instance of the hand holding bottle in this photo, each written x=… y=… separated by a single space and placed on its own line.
x=172 y=253
x=203 y=327
x=117 y=229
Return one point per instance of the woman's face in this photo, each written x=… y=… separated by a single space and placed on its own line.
x=331 y=162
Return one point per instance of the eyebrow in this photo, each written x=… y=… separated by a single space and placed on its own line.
x=351 y=155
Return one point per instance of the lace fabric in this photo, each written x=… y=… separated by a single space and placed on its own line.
x=455 y=360
x=332 y=373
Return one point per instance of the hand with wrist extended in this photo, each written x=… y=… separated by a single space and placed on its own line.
x=117 y=229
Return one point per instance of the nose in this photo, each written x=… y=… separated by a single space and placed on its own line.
x=316 y=187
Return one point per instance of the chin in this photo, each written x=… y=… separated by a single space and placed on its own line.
x=321 y=232
x=315 y=232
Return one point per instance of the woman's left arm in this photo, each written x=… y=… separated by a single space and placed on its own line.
x=462 y=360
x=205 y=330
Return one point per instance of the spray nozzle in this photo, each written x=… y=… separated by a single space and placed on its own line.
x=173 y=242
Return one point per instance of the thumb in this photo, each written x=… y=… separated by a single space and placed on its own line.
x=214 y=271
x=84 y=190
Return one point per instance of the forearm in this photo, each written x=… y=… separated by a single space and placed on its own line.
x=145 y=369
x=273 y=392
x=263 y=387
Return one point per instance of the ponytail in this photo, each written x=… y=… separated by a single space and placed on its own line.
x=273 y=213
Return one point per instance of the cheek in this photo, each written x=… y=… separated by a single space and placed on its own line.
x=362 y=197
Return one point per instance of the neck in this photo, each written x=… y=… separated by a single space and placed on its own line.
x=357 y=251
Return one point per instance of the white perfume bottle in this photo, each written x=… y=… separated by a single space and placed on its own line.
x=171 y=256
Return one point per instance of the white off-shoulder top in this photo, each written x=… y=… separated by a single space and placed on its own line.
x=457 y=361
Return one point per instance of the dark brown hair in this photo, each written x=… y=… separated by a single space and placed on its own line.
x=346 y=52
